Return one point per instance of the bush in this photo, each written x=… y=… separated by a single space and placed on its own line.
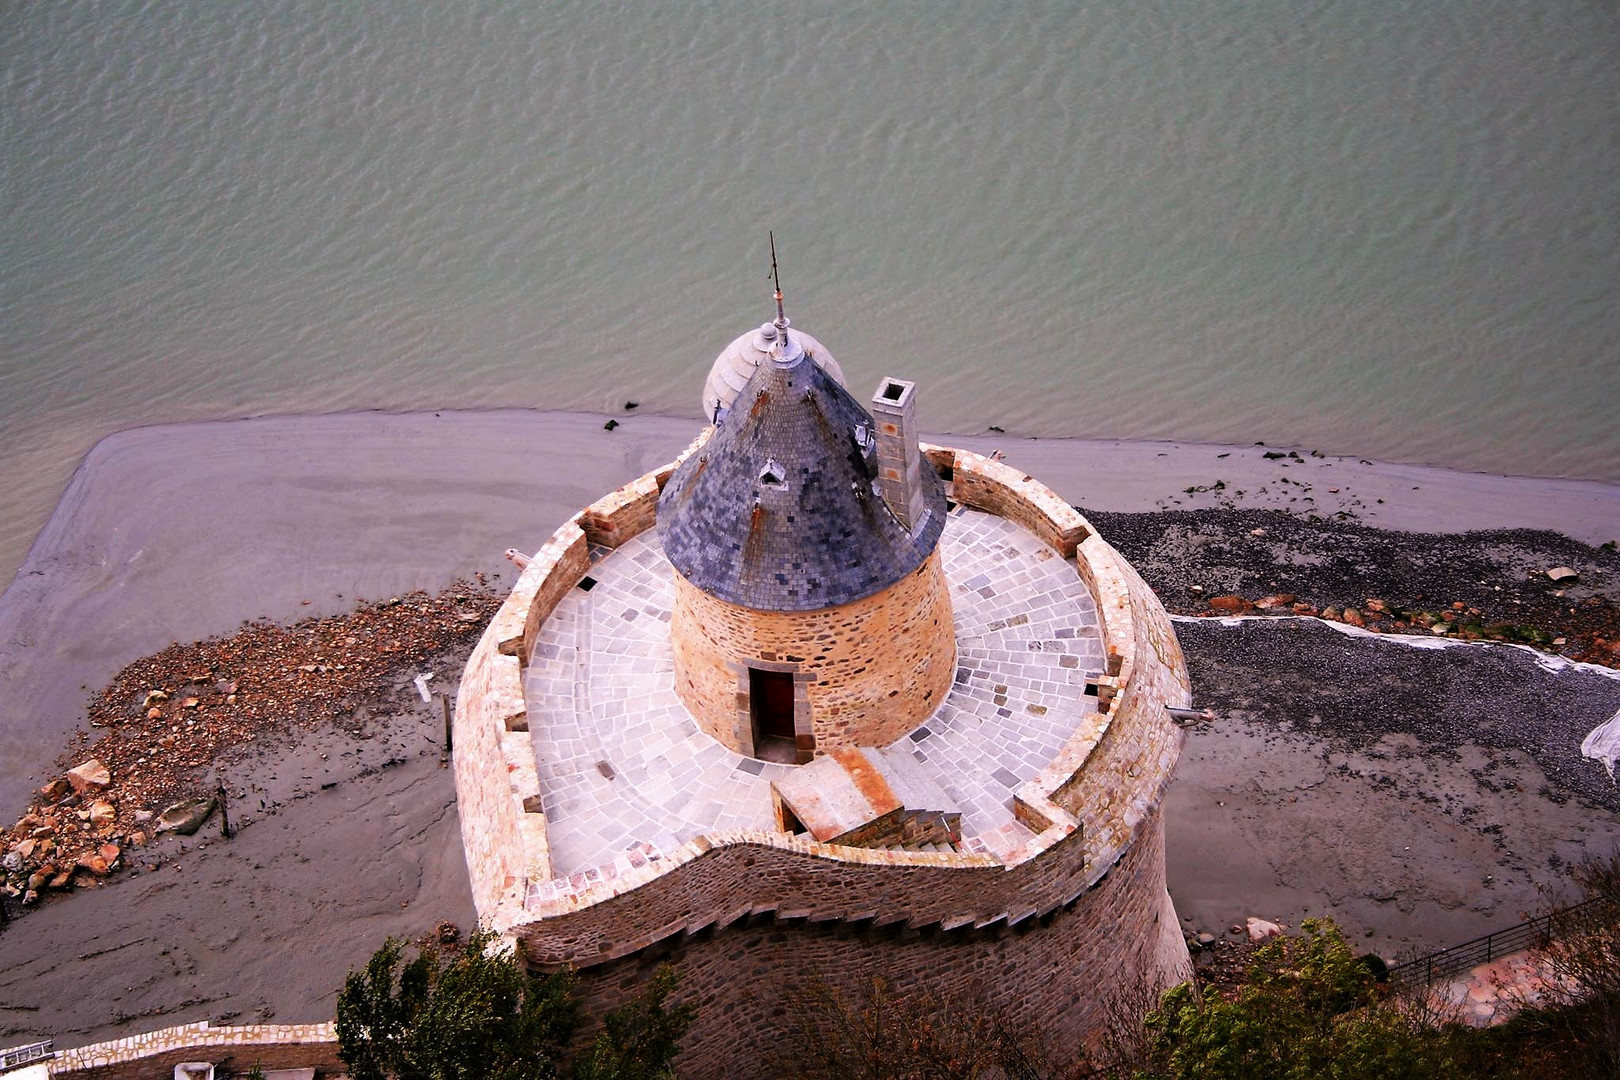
x=481 y=1015
x=1310 y=1008
x=1580 y=1003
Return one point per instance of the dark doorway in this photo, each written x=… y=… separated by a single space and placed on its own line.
x=770 y=699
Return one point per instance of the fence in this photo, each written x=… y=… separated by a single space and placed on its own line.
x=1533 y=933
x=18 y=1056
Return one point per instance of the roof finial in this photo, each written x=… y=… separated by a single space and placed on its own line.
x=781 y=316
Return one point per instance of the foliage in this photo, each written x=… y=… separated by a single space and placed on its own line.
x=639 y=1040
x=1580 y=1008
x=1309 y=1009
x=881 y=1035
x=481 y=1015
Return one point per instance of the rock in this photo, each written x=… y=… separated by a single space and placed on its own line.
x=92 y=863
x=40 y=878
x=137 y=838
x=31 y=896
x=1261 y=930
x=1206 y=939
x=189 y=703
x=1277 y=600
x=143 y=816
x=186 y=817
x=24 y=849
x=1562 y=573
x=1230 y=603
x=1332 y=613
x=1353 y=617
x=154 y=697
x=109 y=853
x=11 y=862
x=102 y=814
x=91 y=776
x=55 y=790
x=1257 y=532
x=63 y=880
x=610 y=425
x=1195 y=588
x=1377 y=605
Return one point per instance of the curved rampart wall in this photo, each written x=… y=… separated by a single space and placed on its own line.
x=1052 y=975
x=864 y=673
x=1086 y=807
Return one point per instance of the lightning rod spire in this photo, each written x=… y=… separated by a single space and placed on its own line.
x=781 y=315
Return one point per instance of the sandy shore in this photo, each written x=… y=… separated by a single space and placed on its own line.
x=175 y=533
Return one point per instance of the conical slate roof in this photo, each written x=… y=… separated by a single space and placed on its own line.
x=777 y=511
x=736 y=363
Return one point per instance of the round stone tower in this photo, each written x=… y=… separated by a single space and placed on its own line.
x=819 y=727
x=810 y=610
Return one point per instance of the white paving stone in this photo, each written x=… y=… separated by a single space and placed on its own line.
x=621 y=762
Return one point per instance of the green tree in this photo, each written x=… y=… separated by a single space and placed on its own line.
x=1309 y=1009
x=639 y=1041
x=481 y=1015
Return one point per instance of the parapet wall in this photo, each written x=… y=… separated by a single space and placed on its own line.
x=1085 y=806
x=154 y=1055
x=1053 y=975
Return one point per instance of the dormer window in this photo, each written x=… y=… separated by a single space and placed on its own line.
x=773 y=475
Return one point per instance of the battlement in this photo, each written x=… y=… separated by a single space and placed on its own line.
x=1067 y=823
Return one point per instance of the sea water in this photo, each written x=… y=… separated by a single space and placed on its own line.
x=1379 y=228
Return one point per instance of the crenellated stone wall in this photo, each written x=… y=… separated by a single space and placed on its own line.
x=1052 y=973
x=868 y=672
x=1081 y=908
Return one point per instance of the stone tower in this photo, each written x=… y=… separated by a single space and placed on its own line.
x=811 y=612
x=816 y=703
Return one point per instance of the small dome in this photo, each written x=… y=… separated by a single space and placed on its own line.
x=736 y=363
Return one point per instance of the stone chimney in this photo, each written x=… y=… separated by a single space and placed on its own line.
x=899 y=459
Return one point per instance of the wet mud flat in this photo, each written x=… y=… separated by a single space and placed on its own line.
x=1420 y=796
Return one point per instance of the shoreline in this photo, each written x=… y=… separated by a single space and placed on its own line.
x=181 y=532
x=1557 y=495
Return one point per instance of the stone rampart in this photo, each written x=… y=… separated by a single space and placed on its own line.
x=1106 y=779
x=1081 y=906
x=153 y=1055
x=756 y=982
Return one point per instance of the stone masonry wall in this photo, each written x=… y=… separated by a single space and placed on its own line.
x=1095 y=811
x=153 y=1055
x=1053 y=974
x=877 y=668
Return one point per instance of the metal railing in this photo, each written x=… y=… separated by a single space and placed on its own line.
x=1533 y=933
x=18 y=1056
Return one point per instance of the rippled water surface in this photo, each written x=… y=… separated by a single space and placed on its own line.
x=1380 y=228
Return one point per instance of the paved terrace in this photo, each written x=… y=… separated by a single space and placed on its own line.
x=623 y=766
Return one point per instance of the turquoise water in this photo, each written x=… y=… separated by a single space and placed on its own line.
x=1380 y=228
